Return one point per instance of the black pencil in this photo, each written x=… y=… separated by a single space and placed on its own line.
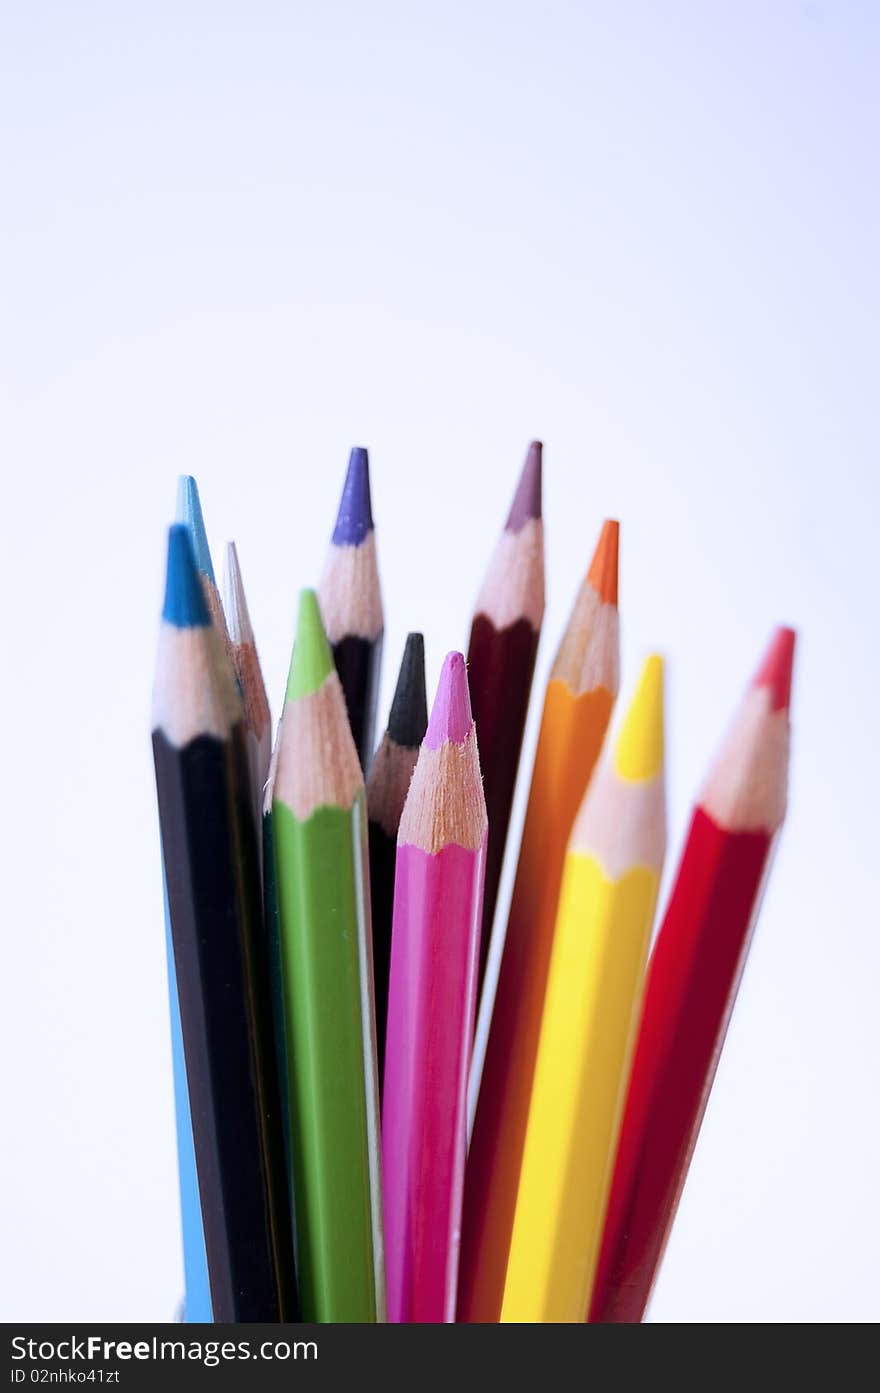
x=351 y=603
x=211 y=867
x=387 y=788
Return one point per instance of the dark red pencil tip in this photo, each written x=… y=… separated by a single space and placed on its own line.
x=776 y=668
x=526 y=505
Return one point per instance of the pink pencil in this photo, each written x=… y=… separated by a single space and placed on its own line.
x=435 y=943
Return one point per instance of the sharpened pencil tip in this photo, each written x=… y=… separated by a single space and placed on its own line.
x=238 y=620
x=638 y=751
x=776 y=668
x=451 y=720
x=311 y=661
x=408 y=718
x=354 y=521
x=526 y=504
x=603 y=567
x=185 y=606
x=189 y=512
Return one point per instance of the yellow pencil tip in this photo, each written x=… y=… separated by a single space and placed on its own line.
x=638 y=753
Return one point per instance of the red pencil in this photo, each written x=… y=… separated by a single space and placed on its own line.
x=438 y=897
x=501 y=663
x=693 y=978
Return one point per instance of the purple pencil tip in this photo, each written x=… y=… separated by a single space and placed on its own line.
x=451 y=720
x=526 y=505
x=354 y=521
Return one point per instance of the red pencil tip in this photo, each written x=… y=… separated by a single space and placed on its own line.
x=526 y=504
x=451 y=720
x=776 y=668
x=602 y=574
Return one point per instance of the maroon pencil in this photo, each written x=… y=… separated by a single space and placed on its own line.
x=501 y=662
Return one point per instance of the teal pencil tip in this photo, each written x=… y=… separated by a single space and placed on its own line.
x=189 y=512
x=185 y=606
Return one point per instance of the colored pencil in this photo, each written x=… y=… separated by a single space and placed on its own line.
x=603 y=929
x=387 y=787
x=320 y=840
x=441 y=853
x=258 y=728
x=501 y=662
x=197 y=1299
x=351 y=603
x=245 y=664
x=577 y=707
x=209 y=851
x=243 y=651
x=693 y=979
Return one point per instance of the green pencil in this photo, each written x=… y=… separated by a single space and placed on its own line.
x=322 y=885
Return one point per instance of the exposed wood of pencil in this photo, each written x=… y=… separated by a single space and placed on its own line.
x=694 y=975
x=501 y=662
x=322 y=887
x=387 y=787
x=351 y=603
x=214 y=906
x=603 y=928
x=243 y=649
x=431 y=1004
x=577 y=707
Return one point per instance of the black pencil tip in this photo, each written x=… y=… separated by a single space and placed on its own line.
x=408 y=718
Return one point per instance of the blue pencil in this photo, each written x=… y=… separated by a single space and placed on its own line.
x=220 y=956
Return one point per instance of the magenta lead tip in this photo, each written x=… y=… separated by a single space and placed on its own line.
x=451 y=718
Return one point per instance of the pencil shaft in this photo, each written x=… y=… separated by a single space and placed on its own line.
x=358 y=662
x=691 y=986
x=432 y=1000
x=276 y=986
x=585 y=1045
x=207 y=907
x=258 y=961
x=572 y=730
x=383 y=855
x=320 y=871
x=500 y=669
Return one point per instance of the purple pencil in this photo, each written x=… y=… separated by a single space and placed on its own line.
x=435 y=941
x=351 y=603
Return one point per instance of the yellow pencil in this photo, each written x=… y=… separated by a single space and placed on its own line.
x=603 y=928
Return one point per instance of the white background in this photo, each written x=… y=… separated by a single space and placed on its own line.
x=237 y=239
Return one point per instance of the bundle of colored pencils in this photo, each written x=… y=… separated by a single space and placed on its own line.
x=345 y=1151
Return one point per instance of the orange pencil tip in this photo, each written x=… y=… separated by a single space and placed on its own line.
x=602 y=574
x=776 y=668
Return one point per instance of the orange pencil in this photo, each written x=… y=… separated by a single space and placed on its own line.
x=577 y=708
